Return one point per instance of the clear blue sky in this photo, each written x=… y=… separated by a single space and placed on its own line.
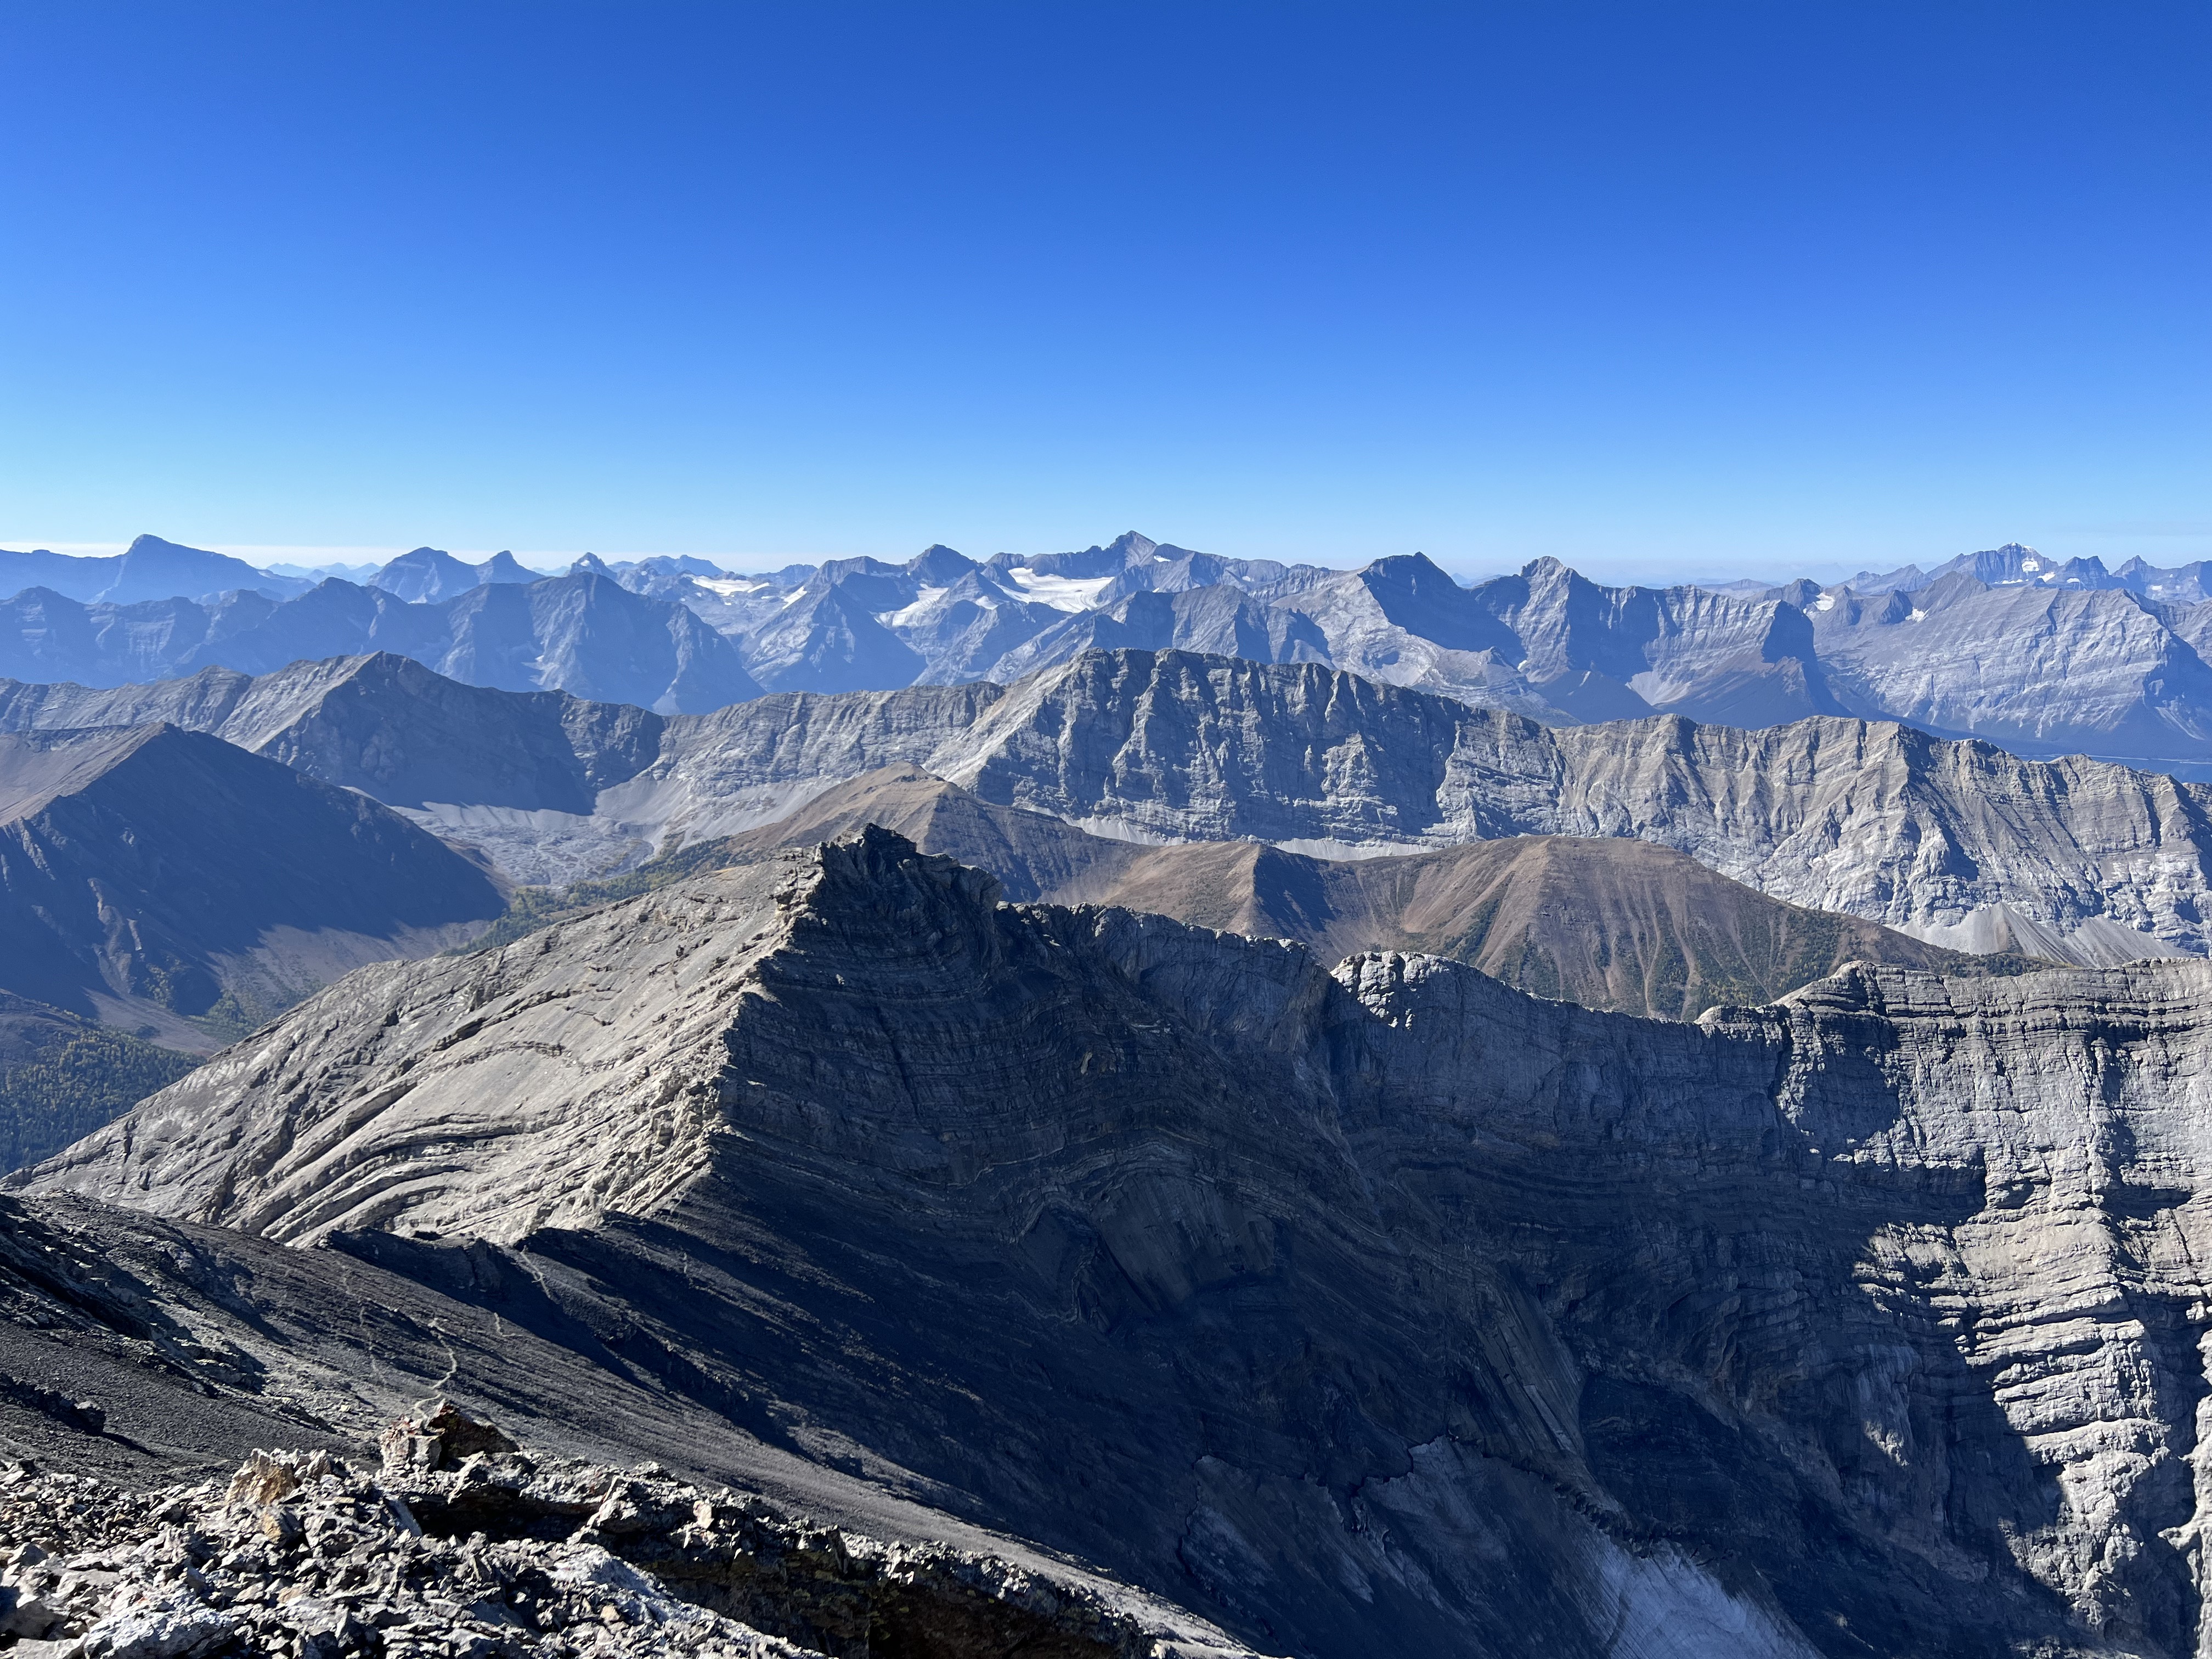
x=1684 y=288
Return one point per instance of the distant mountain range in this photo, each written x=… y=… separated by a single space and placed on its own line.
x=430 y=574
x=149 y=568
x=2045 y=658
x=1955 y=843
x=2042 y=657
x=583 y=632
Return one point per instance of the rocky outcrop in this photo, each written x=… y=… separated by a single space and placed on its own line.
x=167 y=1354
x=502 y=1552
x=1381 y=1310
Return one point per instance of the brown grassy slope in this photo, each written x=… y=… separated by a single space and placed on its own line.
x=1609 y=923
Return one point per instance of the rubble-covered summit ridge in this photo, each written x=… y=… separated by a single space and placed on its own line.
x=463 y=1544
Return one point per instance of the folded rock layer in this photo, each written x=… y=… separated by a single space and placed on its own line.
x=1388 y=1310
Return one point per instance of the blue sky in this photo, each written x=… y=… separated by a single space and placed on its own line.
x=1664 y=290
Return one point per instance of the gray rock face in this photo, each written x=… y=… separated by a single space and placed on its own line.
x=2031 y=667
x=1381 y=1310
x=1956 y=843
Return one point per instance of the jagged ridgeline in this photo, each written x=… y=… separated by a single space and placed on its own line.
x=181 y=892
x=1378 y=1308
x=1970 y=648
x=1603 y=921
x=1955 y=843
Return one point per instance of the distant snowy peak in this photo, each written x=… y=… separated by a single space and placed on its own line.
x=2015 y=566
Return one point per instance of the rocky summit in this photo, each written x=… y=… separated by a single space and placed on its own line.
x=1378 y=1308
x=457 y=1540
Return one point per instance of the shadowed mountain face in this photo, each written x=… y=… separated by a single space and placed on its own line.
x=1608 y=923
x=151 y=876
x=1384 y=1310
x=384 y=725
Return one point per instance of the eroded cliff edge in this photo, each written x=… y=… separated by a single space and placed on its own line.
x=1386 y=1308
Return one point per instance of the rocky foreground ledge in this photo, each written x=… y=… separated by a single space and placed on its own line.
x=461 y=1546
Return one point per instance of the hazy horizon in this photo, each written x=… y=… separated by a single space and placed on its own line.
x=1735 y=290
x=555 y=562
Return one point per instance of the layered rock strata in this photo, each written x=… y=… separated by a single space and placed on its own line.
x=1381 y=1310
x=1955 y=842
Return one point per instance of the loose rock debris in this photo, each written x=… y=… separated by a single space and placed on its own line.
x=461 y=1546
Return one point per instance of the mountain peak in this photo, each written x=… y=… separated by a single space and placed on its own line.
x=1408 y=566
x=150 y=544
x=939 y=566
x=1134 y=547
x=424 y=575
